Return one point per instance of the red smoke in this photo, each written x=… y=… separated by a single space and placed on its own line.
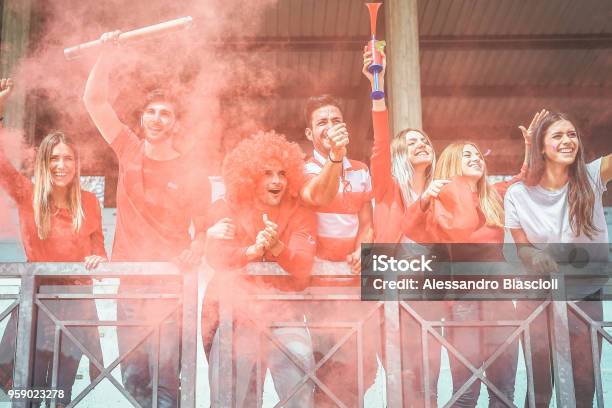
x=195 y=64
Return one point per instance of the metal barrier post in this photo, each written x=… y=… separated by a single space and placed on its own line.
x=225 y=366
x=561 y=351
x=189 y=338
x=24 y=350
x=393 y=356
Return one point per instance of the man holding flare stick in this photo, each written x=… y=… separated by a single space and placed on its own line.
x=159 y=196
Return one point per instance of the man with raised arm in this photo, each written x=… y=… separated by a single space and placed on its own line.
x=158 y=199
x=339 y=190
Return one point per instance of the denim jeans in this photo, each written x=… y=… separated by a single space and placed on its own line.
x=138 y=366
x=285 y=374
x=340 y=372
x=478 y=344
x=69 y=353
x=580 y=346
x=413 y=379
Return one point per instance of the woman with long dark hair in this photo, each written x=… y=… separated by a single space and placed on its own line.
x=559 y=205
x=59 y=222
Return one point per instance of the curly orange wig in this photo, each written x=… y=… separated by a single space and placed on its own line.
x=244 y=165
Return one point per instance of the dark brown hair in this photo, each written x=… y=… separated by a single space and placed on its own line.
x=580 y=195
x=315 y=102
x=163 y=95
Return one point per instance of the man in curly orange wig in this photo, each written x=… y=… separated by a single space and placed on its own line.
x=262 y=219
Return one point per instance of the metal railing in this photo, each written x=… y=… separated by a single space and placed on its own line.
x=31 y=302
x=330 y=285
x=332 y=282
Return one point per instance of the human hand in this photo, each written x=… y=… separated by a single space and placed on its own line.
x=338 y=138
x=272 y=230
x=255 y=251
x=223 y=229
x=92 y=261
x=6 y=88
x=542 y=262
x=267 y=237
x=354 y=261
x=433 y=190
x=191 y=256
x=110 y=40
x=367 y=61
x=529 y=133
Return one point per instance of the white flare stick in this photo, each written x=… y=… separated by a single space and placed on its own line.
x=134 y=35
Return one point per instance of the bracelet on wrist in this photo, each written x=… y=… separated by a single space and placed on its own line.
x=332 y=160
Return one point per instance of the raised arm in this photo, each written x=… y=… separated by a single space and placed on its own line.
x=6 y=88
x=13 y=182
x=528 y=134
x=378 y=105
x=96 y=92
x=321 y=189
x=380 y=162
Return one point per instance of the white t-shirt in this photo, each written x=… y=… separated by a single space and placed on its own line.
x=544 y=214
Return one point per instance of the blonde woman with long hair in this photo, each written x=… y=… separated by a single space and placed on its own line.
x=467 y=209
x=402 y=168
x=59 y=222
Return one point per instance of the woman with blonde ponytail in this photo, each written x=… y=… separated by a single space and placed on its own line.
x=59 y=222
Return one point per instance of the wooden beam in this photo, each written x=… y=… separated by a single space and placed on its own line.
x=458 y=42
x=16 y=16
x=434 y=91
x=404 y=73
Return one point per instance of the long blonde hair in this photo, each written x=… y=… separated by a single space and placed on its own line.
x=43 y=186
x=449 y=165
x=401 y=168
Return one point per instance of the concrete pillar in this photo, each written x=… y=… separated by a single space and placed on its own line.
x=403 y=81
x=14 y=41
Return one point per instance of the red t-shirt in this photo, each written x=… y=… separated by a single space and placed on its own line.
x=455 y=217
x=297 y=228
x=63 y=244
x=156 y=203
